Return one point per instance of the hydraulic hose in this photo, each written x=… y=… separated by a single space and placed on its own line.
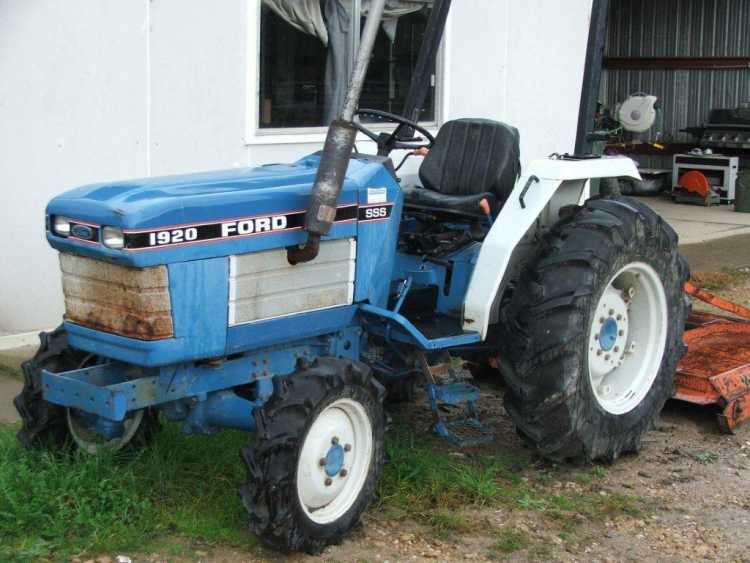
x=321 y=211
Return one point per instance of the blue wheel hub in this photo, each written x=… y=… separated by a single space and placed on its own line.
x=334 y=460
x=608 y=334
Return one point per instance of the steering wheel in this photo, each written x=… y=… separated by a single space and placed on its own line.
x=388 y=142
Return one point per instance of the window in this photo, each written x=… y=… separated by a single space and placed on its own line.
x=307 y=52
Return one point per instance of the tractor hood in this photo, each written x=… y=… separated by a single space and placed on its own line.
x=204 y=215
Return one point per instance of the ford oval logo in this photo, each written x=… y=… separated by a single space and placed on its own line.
x=82 y=231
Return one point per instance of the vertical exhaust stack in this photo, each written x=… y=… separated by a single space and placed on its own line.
x=321 y=212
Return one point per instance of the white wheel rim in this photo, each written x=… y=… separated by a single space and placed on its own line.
x=89 y=441
x=92 y=443
x=627 y=338
x=341 y=435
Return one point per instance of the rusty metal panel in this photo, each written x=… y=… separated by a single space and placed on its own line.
x=735 y=413
x=133 y=302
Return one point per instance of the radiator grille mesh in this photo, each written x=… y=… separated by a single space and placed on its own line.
x=131 y=302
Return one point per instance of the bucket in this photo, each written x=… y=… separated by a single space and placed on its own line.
x=742 y=193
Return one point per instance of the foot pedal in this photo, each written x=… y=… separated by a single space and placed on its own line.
x=448 y=386
x=465 y=432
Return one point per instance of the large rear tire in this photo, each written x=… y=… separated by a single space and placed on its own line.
x=315 y=463
x=593 y=333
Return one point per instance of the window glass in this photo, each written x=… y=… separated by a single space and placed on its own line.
x=292 y=63
x=305 y=57
x=392 y=67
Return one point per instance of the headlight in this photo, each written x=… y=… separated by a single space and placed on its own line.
x=112 y=237
x=61 y=226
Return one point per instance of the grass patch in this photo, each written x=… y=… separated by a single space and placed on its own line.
x=182 y=490
x=55 y=506
x=422 y=476
x=508 y=541
x=447 y=523
x=424 y=482
x=723 y=279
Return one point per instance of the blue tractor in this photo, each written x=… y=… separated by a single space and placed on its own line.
x=290 y=300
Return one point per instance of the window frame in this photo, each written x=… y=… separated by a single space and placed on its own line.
x=257 y=135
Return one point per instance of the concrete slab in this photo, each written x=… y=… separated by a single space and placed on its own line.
x=11 y=359
x=11 y=379
x=9 y=388
x=696 y=224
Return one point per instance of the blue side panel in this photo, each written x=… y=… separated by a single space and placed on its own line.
x=451 y=289
x=376 y=243
x=139 y=352
x=277 y=331
x=199 y=292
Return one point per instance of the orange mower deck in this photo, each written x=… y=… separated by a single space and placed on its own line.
x=716 y=368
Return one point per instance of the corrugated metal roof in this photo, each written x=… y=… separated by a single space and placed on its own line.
x=679 y=28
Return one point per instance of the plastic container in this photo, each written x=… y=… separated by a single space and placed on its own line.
x=742 y=193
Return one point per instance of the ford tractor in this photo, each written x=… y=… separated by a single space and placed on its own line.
x=290 y=300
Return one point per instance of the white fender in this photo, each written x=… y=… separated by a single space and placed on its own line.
x=560 y=182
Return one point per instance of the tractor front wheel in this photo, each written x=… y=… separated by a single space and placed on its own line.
x=316 y=461
x=592 y=336
x=55 y=427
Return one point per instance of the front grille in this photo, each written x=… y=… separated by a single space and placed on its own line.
x=131 y=302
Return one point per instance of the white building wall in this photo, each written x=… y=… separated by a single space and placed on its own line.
x=72 y=111
x=92 y=90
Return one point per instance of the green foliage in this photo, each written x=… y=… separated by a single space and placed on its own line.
x=183 y=490
x=508 y=541
x=424 y=481
x=59 y=505
x=421 y=476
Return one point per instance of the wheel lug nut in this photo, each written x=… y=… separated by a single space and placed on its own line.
x=617 y=349
x=611 y=312
x=621 y=333
x=347 y=447
x=329 y=481
x=322 y=462
x=601 y=321
x=598 y=352
x=606 y=357
x=343 y=473
x=335 y=441
x=619 y=317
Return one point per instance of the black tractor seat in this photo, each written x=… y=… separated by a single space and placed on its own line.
x=471 y=160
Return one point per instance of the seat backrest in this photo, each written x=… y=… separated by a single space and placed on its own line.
x=473 y=156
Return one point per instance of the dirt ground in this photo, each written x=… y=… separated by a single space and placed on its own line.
x=691 y=482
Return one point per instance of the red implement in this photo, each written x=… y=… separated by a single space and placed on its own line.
x=716 y=368
x=695 y=182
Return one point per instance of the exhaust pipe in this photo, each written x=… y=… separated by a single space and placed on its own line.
x=321 y=212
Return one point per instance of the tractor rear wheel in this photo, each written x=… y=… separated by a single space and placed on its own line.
x=593 y=333
x=56 y=427
x=316 y=460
